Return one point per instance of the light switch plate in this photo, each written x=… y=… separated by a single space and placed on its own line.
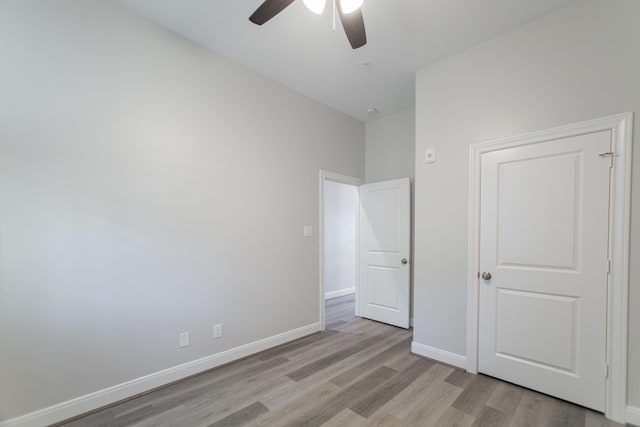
x=430 y=155
x=217 y=331
x=308 y=231
x=184 y=339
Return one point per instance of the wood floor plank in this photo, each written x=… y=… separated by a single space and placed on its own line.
x=344 y=338
x=242 y=416
x=460 y=378
x=380 y=419
x=214 y=391
x=453 y=417
x=505 y=398
x=490 y=417
x=220 y=405
x=431 y=407
x=596 y=419
x=298 y=405
x=335 y=324
x=270 y=381
x=323 y=412
x=373 y=362
x=390 y=388
x=332 y=358
x=322 y=348
x=219 y=380
x=401 y=361
x=475 y=395
x=284 y=394
x=271 y=384
x=302 y=342
x=342 y=310
x=563 y=413
x=173 y=416
x=351 y=361
x=340 y=314
x=528 y=412
x=133 y=416
x=346 y=417
x=97 y=418
x=209 y=406
x=326 y=340
x=536 y=409
x=427 y=390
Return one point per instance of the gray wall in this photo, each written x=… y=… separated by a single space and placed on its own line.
x=390 y=147
x=579 y=63
x=148 y=187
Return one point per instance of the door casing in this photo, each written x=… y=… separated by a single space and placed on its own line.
x=619 y=225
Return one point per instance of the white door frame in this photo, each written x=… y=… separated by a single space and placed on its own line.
x=344 y=179
x=620 y=126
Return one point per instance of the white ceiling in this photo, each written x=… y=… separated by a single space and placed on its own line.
x=300 y=50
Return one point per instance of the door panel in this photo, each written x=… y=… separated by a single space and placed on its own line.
x=383 y=215
x=381 y=286
x=523 y=191
x=519 y=323
x=544 y=234
x=384 y=242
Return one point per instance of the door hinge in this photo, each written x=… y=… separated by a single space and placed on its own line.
x=606 y=370
x=609 y=154
x=608 y=266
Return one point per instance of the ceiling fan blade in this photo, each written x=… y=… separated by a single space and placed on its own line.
x=353 y=25
x=268 y=10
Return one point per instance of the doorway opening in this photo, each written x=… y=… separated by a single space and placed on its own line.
x=339 y=210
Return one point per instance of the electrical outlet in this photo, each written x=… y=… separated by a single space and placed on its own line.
x=184 y=339
x=217 y=331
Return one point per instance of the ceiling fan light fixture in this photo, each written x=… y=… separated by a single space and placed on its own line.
x=350 y=6
x=353 y=24
x=315 y=6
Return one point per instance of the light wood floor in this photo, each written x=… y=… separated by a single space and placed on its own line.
x=357 y=373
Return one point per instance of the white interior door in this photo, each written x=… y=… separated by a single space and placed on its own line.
x=385 y=227
x=544 y=239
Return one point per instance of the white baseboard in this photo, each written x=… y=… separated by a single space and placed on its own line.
x=339 y=293
x=98 y=399
x=633 y=415
x=440 y=355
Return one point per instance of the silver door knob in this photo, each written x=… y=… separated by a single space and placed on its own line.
x=404 y=260
x=486 y=276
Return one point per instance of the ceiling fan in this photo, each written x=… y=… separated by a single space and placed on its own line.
x=349 y=11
